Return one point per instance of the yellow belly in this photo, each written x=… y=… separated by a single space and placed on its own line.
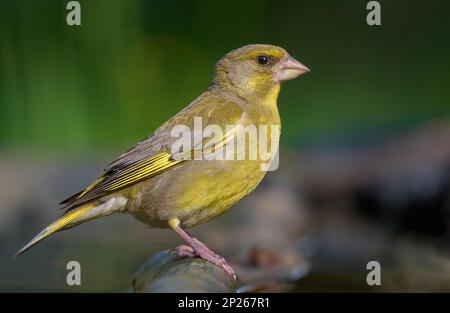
x=196 y=191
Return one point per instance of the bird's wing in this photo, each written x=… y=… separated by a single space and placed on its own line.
x=152 y=156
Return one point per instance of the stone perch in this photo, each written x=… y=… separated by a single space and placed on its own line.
x=166 y=272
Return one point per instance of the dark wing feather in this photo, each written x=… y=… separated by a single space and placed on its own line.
x=151 y=156
x=112 y=181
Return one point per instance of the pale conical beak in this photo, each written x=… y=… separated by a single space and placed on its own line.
x=289 y=68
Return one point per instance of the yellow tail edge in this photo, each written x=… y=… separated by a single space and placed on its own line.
x=56 y=226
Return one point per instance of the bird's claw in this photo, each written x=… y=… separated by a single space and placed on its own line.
x=184 y=251
x=199 y=249
x=203 y=252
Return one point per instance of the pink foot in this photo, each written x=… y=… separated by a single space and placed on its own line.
x=184 y=251
x=199 y=249
x=203 y=252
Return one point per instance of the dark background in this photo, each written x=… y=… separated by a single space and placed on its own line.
x=365 y=156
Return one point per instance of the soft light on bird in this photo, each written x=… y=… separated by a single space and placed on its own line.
x=162 y=189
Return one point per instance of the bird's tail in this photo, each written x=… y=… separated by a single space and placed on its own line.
x=68 y=220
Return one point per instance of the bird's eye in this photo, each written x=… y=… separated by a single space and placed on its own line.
x=263 y=60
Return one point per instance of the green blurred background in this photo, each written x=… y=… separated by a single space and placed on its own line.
x=71 y=96
x=133 y=64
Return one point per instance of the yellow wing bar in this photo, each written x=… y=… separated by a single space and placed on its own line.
x=116 y=179
x=153 y=166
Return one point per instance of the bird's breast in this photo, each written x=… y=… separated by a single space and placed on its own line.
x=198 y=190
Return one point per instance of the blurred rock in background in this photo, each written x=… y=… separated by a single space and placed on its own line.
x=364 y=169
x=312 y=225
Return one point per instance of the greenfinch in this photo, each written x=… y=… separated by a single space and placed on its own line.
x=166 y=187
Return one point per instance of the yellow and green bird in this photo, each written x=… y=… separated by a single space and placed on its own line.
x=162 y=187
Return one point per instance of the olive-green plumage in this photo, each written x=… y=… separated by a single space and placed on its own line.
x=163 y=190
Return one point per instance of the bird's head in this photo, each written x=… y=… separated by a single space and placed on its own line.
x=256 y=69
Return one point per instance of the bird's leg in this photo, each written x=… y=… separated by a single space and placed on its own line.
x=196 y=248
